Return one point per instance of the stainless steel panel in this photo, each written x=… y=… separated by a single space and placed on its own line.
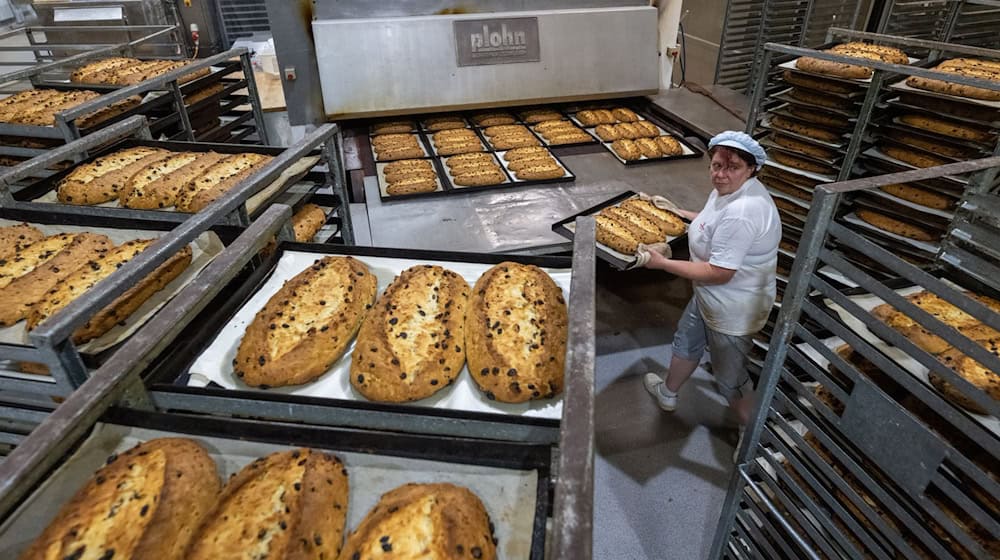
x=84 y=12
x=386 y=65
x=346 y=9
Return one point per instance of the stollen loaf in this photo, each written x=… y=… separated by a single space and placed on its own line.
x=144 y=503
x=515 y=333
x=411 y=345
x=307 y=325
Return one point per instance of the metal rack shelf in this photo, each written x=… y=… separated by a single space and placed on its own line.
x=117 y=383
x=858 y=454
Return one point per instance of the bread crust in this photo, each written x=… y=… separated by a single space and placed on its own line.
x=424 y=521
x=290 y=505
x=644 y=229
x=917 y=195
x=392 y=127
x=817 y=84
x=525 y=153
x=323 y=307
x=100 y=180
x=515 y=334
x=411 y=185
x=489 y=175
x=946 y=127
x=161 y=190
x=493 y=119
x=533 y=116
x=216 y=180
x=668 y=222
x=411 y=345
x=941 y=310
x=27 y=290
x=912 y=157
x=972 y=371
x=33 y=256
x=17 y=237
x=624 y=114
x=541 y=171
x=816 y=132
x=800 y=163
x=803 y=147
x=819 y=117
x=145 y=503
x=543 y=159
x=816 y=98
x=615 y=235
x=626 y=149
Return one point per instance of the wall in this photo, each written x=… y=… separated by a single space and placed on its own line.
x=702 y=32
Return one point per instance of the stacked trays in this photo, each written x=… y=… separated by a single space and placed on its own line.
x=926 y=123
x=631 y=137
x=453 y=153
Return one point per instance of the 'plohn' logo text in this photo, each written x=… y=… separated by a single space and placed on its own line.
x=502 y=40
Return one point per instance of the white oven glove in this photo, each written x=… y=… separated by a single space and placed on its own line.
x=660 y=202
x=643 y=251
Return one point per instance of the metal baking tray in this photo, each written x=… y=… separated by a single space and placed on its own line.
x=130 y=229
x=690 y=152
x=785 y=97
x=985 y=145
x=481 y=130
x=429 y=137
x=861 y=83
x=769 y=142
x=545 y=142
x=47 y=187
x=383 y=184
x=567 y=176
x=172 y=373
x=917 y=248
x=782 y=110
x=422 y=141
x=927 y=218
x=765 y=123
x=875 y=153
x=898 y=102
x=833 y=165
x=512 y=479
x=882 y=166
x=880 y=131
x=901 y=86
x=618 y=260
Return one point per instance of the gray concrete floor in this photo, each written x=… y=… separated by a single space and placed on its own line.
x=660 y=478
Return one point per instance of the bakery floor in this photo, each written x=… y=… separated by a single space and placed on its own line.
x=659 y=478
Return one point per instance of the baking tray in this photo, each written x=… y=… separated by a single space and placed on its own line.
x=818 y=177
x=486 y=147
x=875 y=153
x=782 y=110
x=925 y=249
x=786 y=97
x=383 y=184
x=791 y=65
x=593 y=139
x=986 y=145
x=881 y=130
x=911 y=213
x=566 y=228
x=690 y=152
x=902 y=86
x=898 y=102
x=217 y=327
x=900 y=203
x=451 y=178
x=481 y=130
x=96 y=352
x=511 y=479
x=799 y=155
x=768 y=142
x=765 y=123
x=881 y=166
x=45 y=190
x=422 y=122
x=422 y=141
x=567 y=176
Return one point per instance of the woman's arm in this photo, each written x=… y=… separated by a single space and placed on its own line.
x=686 y=214
x=701 y=272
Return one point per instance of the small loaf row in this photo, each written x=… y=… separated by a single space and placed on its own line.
x=414 y=340
x=624 y=226
x=40 y=275
x=123 y=71
x=38 y=107
x=857 y=50
x=153 y=178
x=969 y=67
x=163 y=499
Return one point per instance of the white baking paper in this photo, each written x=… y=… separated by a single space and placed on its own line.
x=791 y=65
x=508 y=495
x=903 y=86
x=456 y=186
x=905 y=361
x=204 y=249
x=685 y=151
x=419 y=143
x=215 y=363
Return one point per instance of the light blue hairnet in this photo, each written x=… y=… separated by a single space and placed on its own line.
x=740 y=141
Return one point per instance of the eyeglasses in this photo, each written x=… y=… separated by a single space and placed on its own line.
x=716 y=168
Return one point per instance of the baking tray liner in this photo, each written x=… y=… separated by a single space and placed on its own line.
x=509 y=495
x=782 y=110
x=869 y=302
x=768 y=142
x=214 y=364
x=485 y=147
x=545 y=142
x=923 y=246
x=455 y=186
x=567 y=228
x=204 y=249
x=971 y=143
x=880 y=132
x=790 y=152
x=902 y=86
x=883 y=166
x=383 y=184
x=895 y=201
x=897 y=102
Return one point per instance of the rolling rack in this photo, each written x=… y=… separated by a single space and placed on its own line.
x=115 y=395
x=135 y=132
x=165 y=111
x=51 y=342
x=882 y=451
x=48 y=54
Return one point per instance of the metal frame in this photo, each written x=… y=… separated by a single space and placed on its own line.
x=66 y=128
x=970 y=22
x=138 y=127
x=117 y=382
x=51 y=341
x=915 y=451
x=149 y=33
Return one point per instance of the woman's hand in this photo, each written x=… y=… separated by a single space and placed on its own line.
x=656 y=261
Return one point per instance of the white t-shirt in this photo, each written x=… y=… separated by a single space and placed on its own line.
x=739 y=231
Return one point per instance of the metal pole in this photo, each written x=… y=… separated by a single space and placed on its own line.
x=254 y=94
x=760 y=84
x=182 y=110
x=334 y=152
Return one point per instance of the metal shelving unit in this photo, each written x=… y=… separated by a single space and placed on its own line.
x=859 y=454
x=967 y=22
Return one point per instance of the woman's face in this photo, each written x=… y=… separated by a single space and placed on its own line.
x=728 y=171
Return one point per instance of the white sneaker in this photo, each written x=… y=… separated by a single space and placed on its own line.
x=739 y=443
x=656 y=387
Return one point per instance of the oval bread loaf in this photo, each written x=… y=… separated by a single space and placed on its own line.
x=17 y=237
x=144 y=503
x=524 y=153
x=972 y=371
x=156 y=185
x=415 y=521
x=33 y=256
x=100 y=180
x=515 y=333
x=306 y=325
x=668 y=222
x=614 y=234
x=411 y=345
x=289 y=505
x=643 y=228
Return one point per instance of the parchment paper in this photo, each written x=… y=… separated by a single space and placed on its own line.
x=853 y=219
x=508 y=495
x=215 y=363
x=903 y=86
x=792 y=65
x=383 y=184
x=513 y=176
